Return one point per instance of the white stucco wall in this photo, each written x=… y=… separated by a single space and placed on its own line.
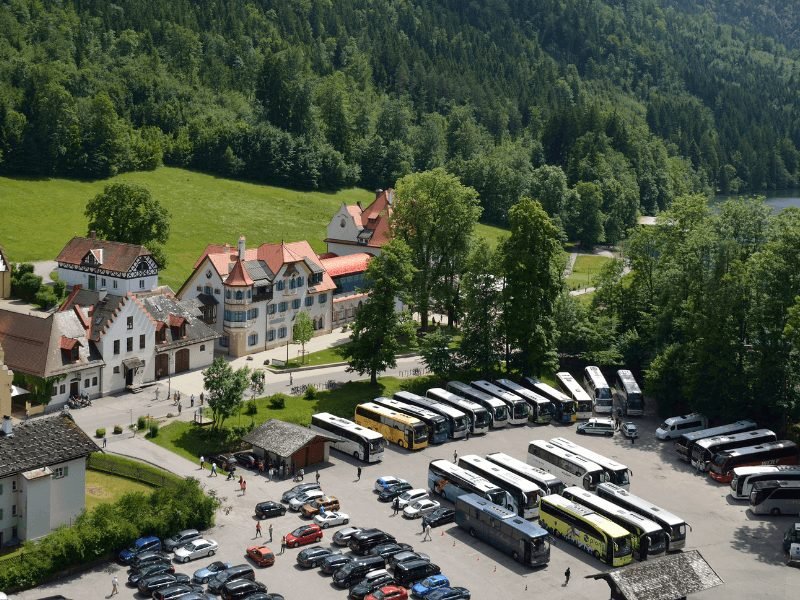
x=104 y=282
x=68 y=494
x=118 y=330
x=35 y=504
x=343 y=226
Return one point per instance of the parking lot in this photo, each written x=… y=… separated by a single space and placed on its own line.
x=744 y=550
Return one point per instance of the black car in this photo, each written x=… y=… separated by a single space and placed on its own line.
x=330 y=564
x=407 y=556
x=148 y=585
x=312 y=557
x=393 y=491
x=342 y=537
x=241 y=588
x=389 y=549
x=440 y=516
x=268 y=508
x=223 y=461
x=246 y=459
x=148 y=570
x=456 y=593
x=369 y=585
x=297 y=490
x=264 y=596
x=148 y=558
x=180 y=591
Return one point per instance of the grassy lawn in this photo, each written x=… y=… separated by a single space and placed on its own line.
x=326 y=357
x=102 y=488
x=586 y=268
x=491 y=233
x=585 y=299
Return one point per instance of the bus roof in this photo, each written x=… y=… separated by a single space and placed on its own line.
x=596 y=376
x=529 y=395
x=549 y=391
x=587 y=514
x=523 y=484
x=569 y=382
x=496 y=391
x=720 y=430
x=431 y=404
x=766 y=446
x=599 y=459
x=628 y=381
x=503 y=514
x=347 y=424
x=522 y=465
x=594 y=501
x=468 y=389
x=388 y=412
x=776 y=483
x=641 y=503
x=420 y=413
x=475 y=479
x=734 y=437
x=440 y=393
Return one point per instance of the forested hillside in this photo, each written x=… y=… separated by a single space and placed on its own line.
x=598 y=108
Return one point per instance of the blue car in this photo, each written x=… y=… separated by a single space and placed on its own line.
x=205 y=574
x=383 y=483
x=426 y=586
x=143 y=544
x=455 y=593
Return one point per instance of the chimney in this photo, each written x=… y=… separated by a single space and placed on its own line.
x=92 y=234
x=378 y=193
x=241 y=247
x=8 y=430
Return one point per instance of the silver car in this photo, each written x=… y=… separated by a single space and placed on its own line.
x=196 y=549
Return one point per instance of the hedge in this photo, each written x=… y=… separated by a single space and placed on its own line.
x=107 y=529
x=132 y=469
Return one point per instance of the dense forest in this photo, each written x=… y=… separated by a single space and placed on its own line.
x=598 y=108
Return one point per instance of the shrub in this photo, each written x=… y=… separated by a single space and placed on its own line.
x=311 y=393
x=153 y=429
x=100 y=432
x=277 y=402
x=117 y=429
x=141 y=423
x=251 y=408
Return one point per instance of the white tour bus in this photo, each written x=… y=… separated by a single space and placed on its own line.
x=549 y=483
x=574 y=390
x=354 y=440
x=775 y=498
x=479 y=418
x=568 y=467
x=524 y=494
x=541 y=407
x=518 y=409
x=617 y=473
x=745 y=477
x=630 y=397
x=675 y=427
x=497 y=409
x=598 y=389
x=457 y=422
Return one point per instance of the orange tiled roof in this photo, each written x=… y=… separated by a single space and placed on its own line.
x=238 y=275
x=346 y=265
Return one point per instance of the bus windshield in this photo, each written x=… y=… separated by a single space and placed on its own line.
x=459 y=423
x=420 y=432
x=375 y=445
x=621 y=478
x=622 y=546
x=531 y=500
x=521 y=410
x=602 y=393
x=497 y=497
x=440 y=425
x=720 y=459
x=483 y=419
x=500 y=413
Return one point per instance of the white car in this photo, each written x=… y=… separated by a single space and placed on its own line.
x=296 y=504
x=382 y=483
x=420 y=508
x=410 y=496
x=196 y=549
x=331 y=518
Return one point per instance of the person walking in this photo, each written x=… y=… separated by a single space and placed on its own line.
x=270 y=532
x=213 y=470
x=180 y=406
x=566 y=576
x=202 y=396
x=395 y=506
x=105 y=441
x=317 y=477
x=244 y=487
x=427 y=537
x=358 y=474
x=202 y=462
x=302 y=474
x=258 y=528
x=191 y=401
x=157 y=393
x=114 y=586
x=283 y=544
x=455 y=456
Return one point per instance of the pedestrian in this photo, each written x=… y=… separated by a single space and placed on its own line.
x=427 y=533
x=157 y=392
x=632 y=439
x=566 y=576
x=230 y=475
x=358 y=474
x=180 y=406
x=270 y=533
x=201 y=398
x=466 y=435
x=302 y=474
x=455 y=456
x=105 y=441
x=396 y=506
x=258 y=528
x=213 y=470
x=114 y=586
x=202 y=462
x=317 y=476
x=283 y=544
x=322 y=511
x=423 y=525
x=244 y=487
x=191 y=400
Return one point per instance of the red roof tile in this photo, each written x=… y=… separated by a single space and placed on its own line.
x=346 y=265
x=176 y=320
x=68 y=343
x=238 y=275
x=116 y=256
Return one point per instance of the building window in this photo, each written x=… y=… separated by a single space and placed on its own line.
x=1 y=514
x=62 y=388
x=130 y=322
x=282 y=332
x=116 y=346
x=13 y=510
x=271 y=335
x=252 y=313
x=103 y=282
x=54 y=391
x=249 y=293
x=116 y=370
x=252 y=339
x=323 y=298
x=309 y=300
x=1 y=492
x=202 y=347
x=271 y=309
x=141 y=284
x=228 y=294
x=60 y=472
x=223 y=341
x=114 y=283
x=239 y=295
x=296 y=303
x=236 y=316
x=14 y=486
x=94 y=381
x=291 y=283
x=129 y=344
x=216 y=291
x=300 y=281
x=207 y=290
x=86 y=382
x=280 y=285
x=142 y=341
x=282 y=307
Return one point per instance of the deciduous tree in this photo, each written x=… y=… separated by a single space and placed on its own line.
x=302 y=332
x=225 y=389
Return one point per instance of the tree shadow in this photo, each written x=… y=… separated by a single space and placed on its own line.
x=762 y=538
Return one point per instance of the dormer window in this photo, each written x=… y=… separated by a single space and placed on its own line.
x=142 y=266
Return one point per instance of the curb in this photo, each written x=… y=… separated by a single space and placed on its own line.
x=325 y=366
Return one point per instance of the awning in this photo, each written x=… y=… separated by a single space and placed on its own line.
x=207 y=299
x=18 y=391
x=132 y=363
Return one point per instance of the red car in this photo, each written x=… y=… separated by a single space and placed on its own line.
x=307 y=534
x=388 y=592
x=261 y=555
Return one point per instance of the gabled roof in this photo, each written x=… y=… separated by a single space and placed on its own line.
x=43 y=442
x=111 y=256
x=346 y=265
x=238 y=276
x=284 y=439
x=170 y=312
x=373 y=220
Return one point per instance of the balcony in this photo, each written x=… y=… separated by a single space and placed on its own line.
x=235 y=324
x=244 y=300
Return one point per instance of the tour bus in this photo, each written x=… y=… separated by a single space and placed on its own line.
x=628 y=393
x=616 y=473
x=497 y=409
x=704 y=450
x=674 y=527
x=782 y=452
x=547 y=482
x=568 y=467
x=524 y=494
x=745 y=477
x=479 y=417
x=406 y=432
x=775 y=498
x=685 y=443
x=674 y=427
x=541 y=407
x=589 y=531
x=573 y=389
x=564 y=407
x=598 y=389
x=436 y=424
x=451 y=481
x=456 y=420
x=526 y=542
x=354 y=440
x=518 y=409
x=649 y=540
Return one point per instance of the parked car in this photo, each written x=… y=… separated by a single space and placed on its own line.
x=311 y=508
x=382 y=483
x=455 y=593
x=366 y=539
x=300 y=488
x=241 y=588
x=330 y=519
x=264 y=596
x=389 y=592
x=372 y=581
x=298 y=501
x=183 y=591
x=268 y=509
x=205 y=574
x=223 y=461
x=243 y=571
x=196 y=549
x=440 y=516
x=342 y=537
x=629 y=430
x=312 y=557
x=420 y=508
x=426 y=586
x=148 y=585
x=334 y=562
x=261 y=555
x=148 y=558
x=393 y=491
x=247 y=459
x=180 y=539
x=596 y=426
x=410 y=496
x=154 y=569
x=408 y=573
x=144 y=544
x=306 y=534
x=406 y=556
x=389 y=549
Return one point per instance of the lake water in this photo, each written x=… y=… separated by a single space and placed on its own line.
x=777 y=200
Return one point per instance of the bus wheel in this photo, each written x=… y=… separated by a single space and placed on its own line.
x=356 y=456
x=401 y=443
x=472 y=532
x=775 y=512
x=515 y=555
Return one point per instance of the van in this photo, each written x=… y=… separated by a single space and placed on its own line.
x=408 y=573
x=596 y=426
x=143 y=544
x=237 y=572
x=675 y=427
x=366 y=539
x=355 y=571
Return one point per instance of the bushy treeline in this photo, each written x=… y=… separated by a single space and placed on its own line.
x=641 y=101
x=107 y=529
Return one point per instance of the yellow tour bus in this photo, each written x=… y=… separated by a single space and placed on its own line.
x=403 y=430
